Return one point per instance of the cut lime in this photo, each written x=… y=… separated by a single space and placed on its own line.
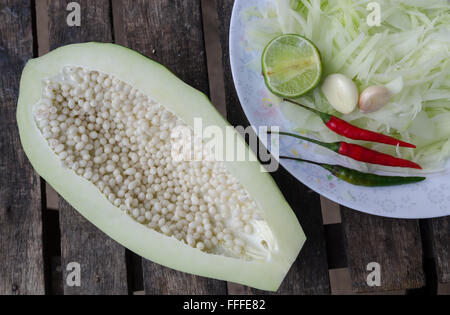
x=291 y=65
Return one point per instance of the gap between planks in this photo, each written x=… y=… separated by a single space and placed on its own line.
x=43 y=44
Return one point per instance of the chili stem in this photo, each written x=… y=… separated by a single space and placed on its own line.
x=332 y=146
x=325 y=117
x=301 y=160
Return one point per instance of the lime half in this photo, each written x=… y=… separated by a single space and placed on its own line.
x=291 y=65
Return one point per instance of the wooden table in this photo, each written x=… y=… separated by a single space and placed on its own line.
x=191 y=38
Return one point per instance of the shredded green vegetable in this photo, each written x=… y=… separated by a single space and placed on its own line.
x=409 y=52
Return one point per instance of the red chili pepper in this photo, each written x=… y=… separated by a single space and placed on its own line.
x=358 y=152
x=363 y=154
x=343 y=128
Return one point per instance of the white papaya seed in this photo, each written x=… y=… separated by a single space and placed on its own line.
x=126 y=152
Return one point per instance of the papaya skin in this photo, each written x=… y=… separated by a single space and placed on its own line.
x=156 y=81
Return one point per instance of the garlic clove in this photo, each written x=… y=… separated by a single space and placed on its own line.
x=341 y=92
x=374 y=98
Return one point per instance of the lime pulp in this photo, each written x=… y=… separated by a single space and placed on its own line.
x=291 y=65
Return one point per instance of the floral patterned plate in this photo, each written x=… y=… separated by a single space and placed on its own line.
x=430 y=198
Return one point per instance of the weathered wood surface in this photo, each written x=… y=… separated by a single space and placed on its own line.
x=102 y=260
x=393 y=243
x=96 y=24
x=309 y=274
x=21 y=246
x=103 y=265
x=440 y=239
x=169 y=32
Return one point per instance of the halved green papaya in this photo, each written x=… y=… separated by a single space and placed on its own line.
x=97 y=121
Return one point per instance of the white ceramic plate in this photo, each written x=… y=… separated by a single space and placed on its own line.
x=430 y=198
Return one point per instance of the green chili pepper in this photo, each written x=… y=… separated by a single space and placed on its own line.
x=359 y=178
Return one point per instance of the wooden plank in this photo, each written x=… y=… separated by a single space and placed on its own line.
x=443 y=289
x=440 y=240
x=341 y=283
x=309 y=274
x=21 y=246
x=96 y=24
x=169 y=32
x=331 y=211
x=102 y=261
x=394 y=244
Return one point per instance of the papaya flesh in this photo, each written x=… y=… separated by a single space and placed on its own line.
x=98 y=121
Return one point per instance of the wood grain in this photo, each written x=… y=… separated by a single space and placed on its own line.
x=309 y=274
x=440 y=240
x=170 y=32
x=102 y=260
x=103 y=266
x=21 y=246
x=393 y=243
x=96 y=24
x=331 y=211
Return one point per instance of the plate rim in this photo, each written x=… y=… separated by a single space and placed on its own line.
x=374 y=211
